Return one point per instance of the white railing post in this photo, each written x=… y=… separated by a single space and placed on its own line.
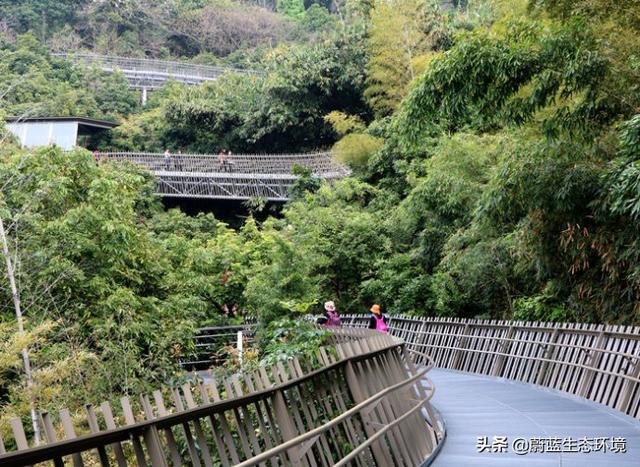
x=240 y=349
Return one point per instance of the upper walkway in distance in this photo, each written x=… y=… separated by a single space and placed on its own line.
x=239 y=177
x=148 y=74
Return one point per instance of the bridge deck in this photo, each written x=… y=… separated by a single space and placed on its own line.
x=144 y=73
x=474 y=406
x=240 y=177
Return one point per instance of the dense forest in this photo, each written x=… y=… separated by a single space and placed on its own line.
x=495 y=150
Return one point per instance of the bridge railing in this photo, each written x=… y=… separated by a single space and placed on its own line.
x=212 y=344
x=597 y=362
x=367 y=404
x=152 y=66
x=320 y=163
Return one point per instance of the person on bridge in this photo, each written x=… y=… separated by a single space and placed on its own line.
x=229 y=162
x=378 y=320
x=167 y=160
x=222 y=159
x=331 y=317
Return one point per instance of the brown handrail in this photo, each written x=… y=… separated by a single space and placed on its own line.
x=540 y=359
x=597 y=362
x=276 y=410
x=381 y=432
x=333 y=422
x=506 y=339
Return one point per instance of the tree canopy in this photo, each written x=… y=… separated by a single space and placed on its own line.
x=495 y=150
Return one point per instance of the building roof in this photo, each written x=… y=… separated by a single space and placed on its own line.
x=82 y=121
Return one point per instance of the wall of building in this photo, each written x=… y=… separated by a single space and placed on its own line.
x=33 y=134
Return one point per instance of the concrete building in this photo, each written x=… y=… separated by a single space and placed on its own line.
x=61 y=131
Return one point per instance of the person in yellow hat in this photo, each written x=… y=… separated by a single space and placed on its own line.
x=378 y=320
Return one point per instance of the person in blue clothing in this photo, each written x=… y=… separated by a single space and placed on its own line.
x=378 y=320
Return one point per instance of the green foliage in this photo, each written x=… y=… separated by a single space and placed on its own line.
x=624 y=11
x=126 y=283
x=181 y=28
x=305 y=183
x=400 y=284
x=401 y=33
x=285 y=338
x=38 y=84
x=227 y=28
x=533 y=67
x=338 y=241
x=356 y=146
x=144 y=132
x=355 y=149
x=293 y=9
x=497 y=174
x=548 y=214
x=317 y=19
x=542 y=307
x=623 y=197
x=281 y=111
x=282 y=284
x=343 y=123
x=533 y=223
x=445 y=189
x=477 y=276
x=40 y=16
x=56 y=366
x=630 y=139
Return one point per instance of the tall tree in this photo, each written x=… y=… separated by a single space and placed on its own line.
x=293 y=9
x=15 y=293
x=43 y=17
x=401 y=34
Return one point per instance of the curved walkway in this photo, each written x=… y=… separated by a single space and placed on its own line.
x=477 y=406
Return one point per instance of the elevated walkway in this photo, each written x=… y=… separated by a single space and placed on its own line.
x=149 y=74
x=360 y=401
x=509 y=393
x=476 y=406
x=239 y=177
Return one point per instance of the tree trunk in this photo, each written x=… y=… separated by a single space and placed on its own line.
x=25 y=353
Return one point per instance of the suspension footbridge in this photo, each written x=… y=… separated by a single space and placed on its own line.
x=205 y=176
x=233 y=177
x=145 y=73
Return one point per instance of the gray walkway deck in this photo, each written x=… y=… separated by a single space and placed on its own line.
x=475 y=406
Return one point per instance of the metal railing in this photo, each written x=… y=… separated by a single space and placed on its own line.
x=237 y=177
x=367 y=404
x=212 y=345
x=151 y=73
x=320 y=163
x=596 y=362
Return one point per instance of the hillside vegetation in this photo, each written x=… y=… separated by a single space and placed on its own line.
x=495 y=147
